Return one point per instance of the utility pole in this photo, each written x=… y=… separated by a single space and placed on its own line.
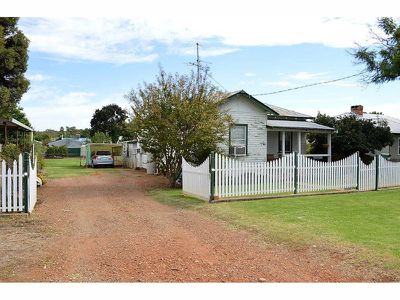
x=198 y=62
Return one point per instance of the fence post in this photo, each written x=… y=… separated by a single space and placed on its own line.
x=296 y=172
x=212 y=177
x=376 y=172
x=25 y=182
x=358 y=171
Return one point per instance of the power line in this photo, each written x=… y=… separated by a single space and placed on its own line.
x=309 y=85
x=199 y=66
x=218 y=82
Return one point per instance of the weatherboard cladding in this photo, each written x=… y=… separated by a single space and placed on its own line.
x=255 y=116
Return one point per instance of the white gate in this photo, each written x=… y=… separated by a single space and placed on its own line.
x=15 y=197
x=196 y=180
x=389 y=173
x=367 y=176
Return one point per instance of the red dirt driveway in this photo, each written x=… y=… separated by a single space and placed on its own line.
x=105 y=227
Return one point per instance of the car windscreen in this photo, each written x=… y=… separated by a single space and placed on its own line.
x=103 y=153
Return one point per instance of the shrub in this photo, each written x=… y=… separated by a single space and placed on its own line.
x=54 y=151
x=9 y=153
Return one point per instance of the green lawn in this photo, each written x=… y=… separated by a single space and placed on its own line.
x=68 y=167
x=368 y=222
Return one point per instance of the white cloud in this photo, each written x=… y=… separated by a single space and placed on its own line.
x=37 y=77
x=249 y=74
x=48 y=107
x=277 y=83
x=306 y=75
x=142 y=37
x=206 y=51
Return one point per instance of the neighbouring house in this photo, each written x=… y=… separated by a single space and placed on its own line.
x=264 y=132
x=73 y=145
x=134 y=157
x=13 y=131
x=392 y=152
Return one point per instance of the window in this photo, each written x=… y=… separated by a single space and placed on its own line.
x=238 y=139
x=398 y=145
x=288 y=142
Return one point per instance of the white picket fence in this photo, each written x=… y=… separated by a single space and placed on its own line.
x=234 y=178
x=196 y=180
x=389 y=173
x=293 y=173
x=316 y=175
x=12 y=189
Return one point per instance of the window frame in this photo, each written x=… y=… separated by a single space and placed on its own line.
x=246 y=138
x=287 y=139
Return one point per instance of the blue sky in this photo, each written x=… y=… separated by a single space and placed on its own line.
x=79 y=64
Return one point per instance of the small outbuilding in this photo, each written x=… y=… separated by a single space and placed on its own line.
x=87 y=151
x=13 y=131
x=134 y=157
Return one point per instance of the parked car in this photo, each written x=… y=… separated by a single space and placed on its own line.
x=102 y=158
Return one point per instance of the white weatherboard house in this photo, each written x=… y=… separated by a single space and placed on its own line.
x=264 y=132
x=393 y=151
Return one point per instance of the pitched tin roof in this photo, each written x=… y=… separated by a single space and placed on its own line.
x=273 y=110
x=287 y=112
x=301 y=125
x=393 y=123
x=68 y=142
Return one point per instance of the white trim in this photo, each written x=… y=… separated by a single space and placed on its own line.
x=398 y=146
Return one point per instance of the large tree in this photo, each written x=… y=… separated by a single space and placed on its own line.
x=111 y=120
x=352 y=134
x=177 y=116
x=13 y=65
x=382 y=58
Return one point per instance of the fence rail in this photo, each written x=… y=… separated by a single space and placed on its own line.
x=226 y=177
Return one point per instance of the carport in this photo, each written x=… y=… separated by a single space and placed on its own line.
x=88 y=150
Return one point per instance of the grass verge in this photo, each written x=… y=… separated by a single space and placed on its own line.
x=69 y=167
x=369 y=222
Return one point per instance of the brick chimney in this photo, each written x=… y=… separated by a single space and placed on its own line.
x=357 y=109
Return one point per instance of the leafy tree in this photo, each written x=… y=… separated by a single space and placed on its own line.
x=101 y=137
x=19 y=114
x=61 y=132
x=72 y=132
x=177 y=116
x=317 y=141
x=110 y=119
x=85 y=133
x=382 y=59
x=13 y=65
x=42 y=137
x=352 y=134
